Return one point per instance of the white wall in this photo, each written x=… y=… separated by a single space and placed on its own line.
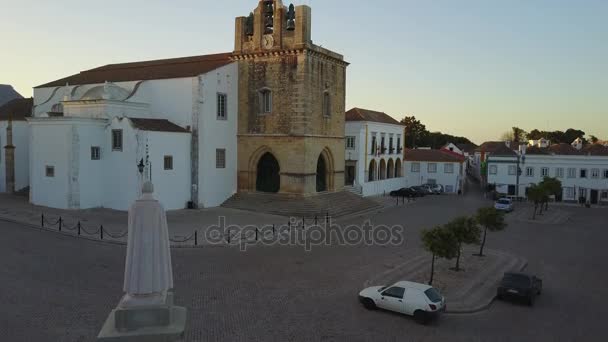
x=105 y=109
x=92 y=172
x=49 y=146
x=171 y=187
x=168 y=99
x=217 y=185
x=441 y=177
x=553 y=162
x=21 y=142
x=121 y=184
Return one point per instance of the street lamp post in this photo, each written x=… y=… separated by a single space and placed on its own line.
x=521 y=158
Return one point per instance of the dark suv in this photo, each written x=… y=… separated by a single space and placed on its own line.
x=520 y=286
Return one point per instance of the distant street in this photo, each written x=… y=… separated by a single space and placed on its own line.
x=58 y=288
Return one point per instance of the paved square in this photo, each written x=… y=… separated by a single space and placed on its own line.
x=59 y=288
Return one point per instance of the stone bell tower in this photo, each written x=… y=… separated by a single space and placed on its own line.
x=291 y=104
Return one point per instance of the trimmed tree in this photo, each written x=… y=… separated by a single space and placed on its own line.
x=441 y=243
x=466 y=231
x=536 y=194
x=552 y=187
x=490 y=219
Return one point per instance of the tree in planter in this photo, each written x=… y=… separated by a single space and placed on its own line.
x=440 y=242
x=535 y=194
x=490 y=219
x=553 y=187
x=466 y=231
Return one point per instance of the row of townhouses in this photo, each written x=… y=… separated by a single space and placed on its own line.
x=512 y=168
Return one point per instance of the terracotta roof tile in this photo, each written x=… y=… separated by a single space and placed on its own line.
x=496 y=148
x=19 y=108
x=359 y=114
x=595 y=150
x=563 y=149
x=147 y=70
x=469 y=148
x=157 y=125
x=535 y=150
x=433 y=156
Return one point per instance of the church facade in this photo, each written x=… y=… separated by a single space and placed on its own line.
x=267 y=117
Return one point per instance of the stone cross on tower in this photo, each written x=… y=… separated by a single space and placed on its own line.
x=10 y=157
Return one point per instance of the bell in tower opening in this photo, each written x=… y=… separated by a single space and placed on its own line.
x=268 y=16
x=291 y=18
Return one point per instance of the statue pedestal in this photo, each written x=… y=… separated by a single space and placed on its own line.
x=162 y=322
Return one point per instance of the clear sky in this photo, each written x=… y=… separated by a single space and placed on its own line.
x=466 y=67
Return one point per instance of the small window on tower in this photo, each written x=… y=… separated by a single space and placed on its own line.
x=265 y=101
x=326 y=104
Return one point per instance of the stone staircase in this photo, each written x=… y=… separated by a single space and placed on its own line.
x=336 y=204
x=357 y=190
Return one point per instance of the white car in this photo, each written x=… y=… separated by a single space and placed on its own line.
x=419 y=300
x=504 y=204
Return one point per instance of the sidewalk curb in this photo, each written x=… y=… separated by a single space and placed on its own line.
x=485 y=306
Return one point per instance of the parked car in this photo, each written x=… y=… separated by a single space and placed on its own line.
x=403 y=192
x=419 y=300
x=420 y=191
x=436 y=189
x=504 y=204
x=428 y=188
x=519 y=286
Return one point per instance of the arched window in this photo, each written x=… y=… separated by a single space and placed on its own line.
x=390 y=169
x=326 y=104
x=382 y=171
x=398 y=168
x=265 y=101
x=372 y=171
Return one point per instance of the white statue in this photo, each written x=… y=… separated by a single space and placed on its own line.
x=148 y=272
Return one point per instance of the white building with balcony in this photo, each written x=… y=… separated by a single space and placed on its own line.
x=583 y=171
x=374 y=152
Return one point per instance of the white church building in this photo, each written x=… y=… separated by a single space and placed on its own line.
x=98 y=135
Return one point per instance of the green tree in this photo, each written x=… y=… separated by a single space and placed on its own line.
x=552 y=187
x=593 y=139
x=519 y=135
x=466 y=231
x=415 y=131
x=535 y=134
x=441 y=243
x=572 y=134
x=536 y=194
x=490 y=219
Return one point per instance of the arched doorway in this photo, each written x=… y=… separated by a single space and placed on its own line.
x=372 y=171
x=382 y=171
x=268 y=177
x=398 y=168
x=390 y=170
x=321 y=174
